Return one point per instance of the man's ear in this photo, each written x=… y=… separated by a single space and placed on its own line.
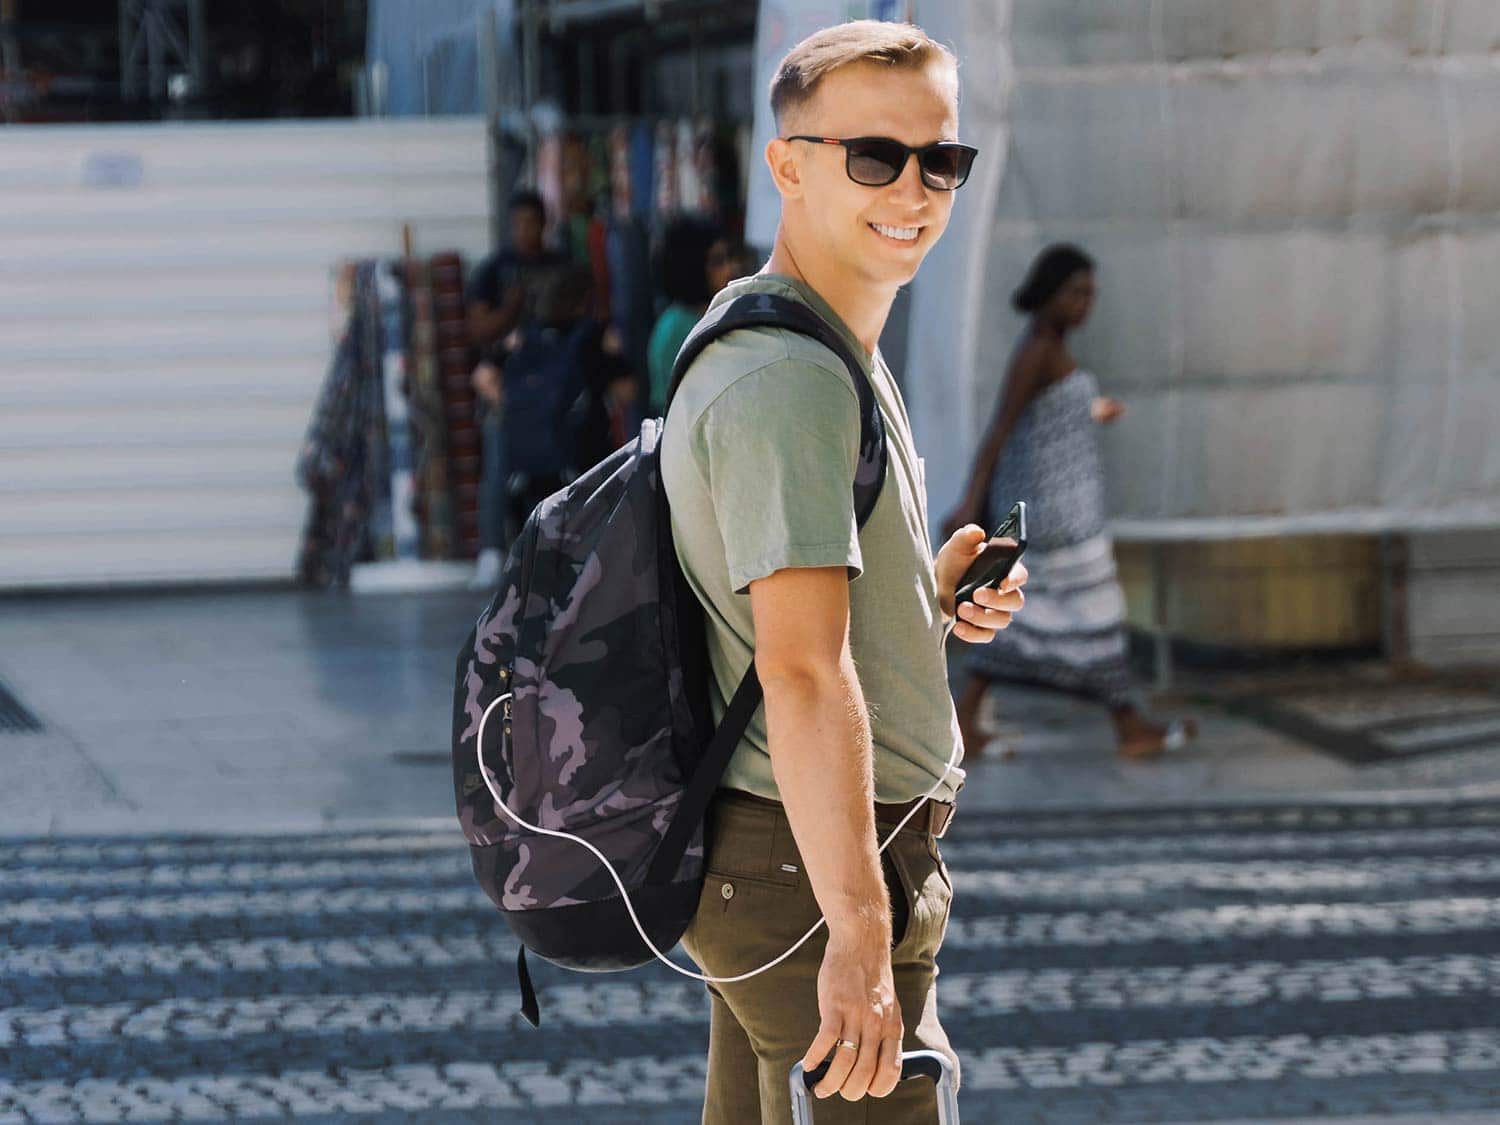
x=786 y=173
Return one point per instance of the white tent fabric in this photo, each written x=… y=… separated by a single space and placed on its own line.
x=1296 y=209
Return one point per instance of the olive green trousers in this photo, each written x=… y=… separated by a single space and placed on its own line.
x=757 y=901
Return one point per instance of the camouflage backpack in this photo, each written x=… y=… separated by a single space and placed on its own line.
x=584 y=752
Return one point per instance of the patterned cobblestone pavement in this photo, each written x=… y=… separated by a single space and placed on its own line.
x=1211 y=965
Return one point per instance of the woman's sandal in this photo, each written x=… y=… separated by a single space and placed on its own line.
x=983 y=739
x=1177 y=734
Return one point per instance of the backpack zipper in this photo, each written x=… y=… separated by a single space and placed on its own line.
x=505 y=707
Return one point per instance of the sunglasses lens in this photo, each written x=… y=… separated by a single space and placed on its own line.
x=946 y=167
x=875 y=163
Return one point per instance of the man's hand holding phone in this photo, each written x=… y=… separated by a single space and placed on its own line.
x=982 y=577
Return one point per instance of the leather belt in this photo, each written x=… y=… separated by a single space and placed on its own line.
x=933 y=816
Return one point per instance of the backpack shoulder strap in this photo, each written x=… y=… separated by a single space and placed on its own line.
x=766 y=310
x=757 y=310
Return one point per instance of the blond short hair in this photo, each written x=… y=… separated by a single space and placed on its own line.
x=897 y=45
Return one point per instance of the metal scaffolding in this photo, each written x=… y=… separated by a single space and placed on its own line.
x=159 y=40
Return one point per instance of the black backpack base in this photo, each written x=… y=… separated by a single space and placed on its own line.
x=598 y=937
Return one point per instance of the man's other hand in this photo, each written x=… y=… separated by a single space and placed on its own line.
x=990 y=611
x=858 y=1005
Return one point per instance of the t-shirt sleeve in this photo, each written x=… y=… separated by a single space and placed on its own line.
x=779 y=449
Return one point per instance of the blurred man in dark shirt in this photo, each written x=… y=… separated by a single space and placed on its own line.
x=565 y=377
x=502 y=293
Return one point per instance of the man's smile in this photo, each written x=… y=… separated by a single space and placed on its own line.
x=896 y=234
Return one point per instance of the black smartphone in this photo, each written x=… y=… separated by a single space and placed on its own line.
x=1006 y=546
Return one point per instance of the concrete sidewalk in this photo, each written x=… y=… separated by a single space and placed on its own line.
x=1063 y=757
x=276 y=710
x=229 y=711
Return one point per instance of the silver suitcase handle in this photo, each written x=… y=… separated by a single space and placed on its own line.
x=914 y=1064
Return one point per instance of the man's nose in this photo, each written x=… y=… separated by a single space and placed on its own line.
x=909 y=186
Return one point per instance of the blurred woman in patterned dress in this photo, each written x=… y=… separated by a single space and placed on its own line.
x=1042 y=447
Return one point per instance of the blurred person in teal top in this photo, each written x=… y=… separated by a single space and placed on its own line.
x=694 y=260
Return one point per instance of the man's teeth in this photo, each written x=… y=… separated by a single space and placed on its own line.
x=905 y=234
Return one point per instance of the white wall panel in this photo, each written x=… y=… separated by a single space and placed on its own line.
x=165 y=305
x=88 y=557
x=1294 y=209
x=1105 y=32
x=1295 y=205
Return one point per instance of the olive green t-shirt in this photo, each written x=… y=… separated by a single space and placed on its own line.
x=758 y=460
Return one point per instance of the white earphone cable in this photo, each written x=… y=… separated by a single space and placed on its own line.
x=490 y=783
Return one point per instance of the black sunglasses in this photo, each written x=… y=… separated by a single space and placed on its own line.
x=877 y=161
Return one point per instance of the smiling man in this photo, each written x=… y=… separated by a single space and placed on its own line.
x=846 y=625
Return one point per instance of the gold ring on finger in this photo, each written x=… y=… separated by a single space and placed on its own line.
x=846 y=1043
